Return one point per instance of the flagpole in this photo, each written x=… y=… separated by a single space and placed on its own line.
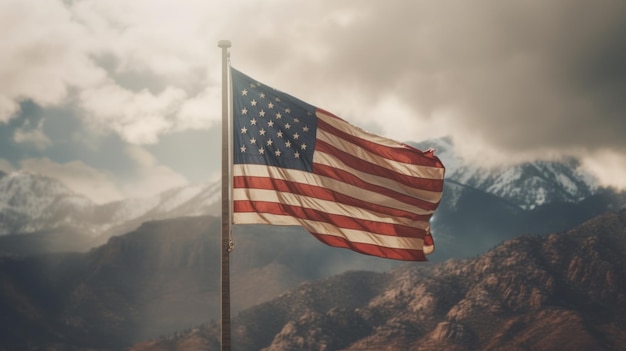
x=226 y=217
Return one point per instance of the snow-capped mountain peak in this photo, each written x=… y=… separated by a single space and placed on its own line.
x=526 y=185
x=32 y=202
x=189 y=200
x=30 y=193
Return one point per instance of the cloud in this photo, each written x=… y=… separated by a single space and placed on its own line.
x=32 y=136
x=129 y=65
x=150 y=177
x=146 y=179
x=79 y=177
x=201 y=111
x=170 y=39
x=137 y=117
x=608 y=167
x=5 y=166
x=8 y=108
x=510 y=81
x=43 y=53
x=522 y=77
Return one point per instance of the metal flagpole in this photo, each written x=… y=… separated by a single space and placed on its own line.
x=226 y=218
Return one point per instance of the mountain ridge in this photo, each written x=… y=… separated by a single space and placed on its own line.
x=470 y=219
x=527 y=184
x=31 y=203
x=162 y=278
x=562 y=291
x=36 y=203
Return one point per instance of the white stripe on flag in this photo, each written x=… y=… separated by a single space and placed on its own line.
x=251 y=170
x=330 y=207
x=324 y=228
x=330 y=160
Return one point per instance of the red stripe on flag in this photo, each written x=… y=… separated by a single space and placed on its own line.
x=369 y=249
x=323 y=193
x=337 y=220
x=377 y=170
x=400 y=154
x=350 y=178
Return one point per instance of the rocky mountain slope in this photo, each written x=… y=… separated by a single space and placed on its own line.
x=561 y=291
x=470 y=221
x=161 y=278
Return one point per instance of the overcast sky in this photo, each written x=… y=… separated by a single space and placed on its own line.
x=121 y=98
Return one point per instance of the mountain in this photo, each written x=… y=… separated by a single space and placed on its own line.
x=30 y=203
x=64 y=239
x=562 y=291
x=155 y=280
x=470 y=221
x=159 y=278
x=122 y=216
x=480 y=208
x=526 y=185
x=35 y=203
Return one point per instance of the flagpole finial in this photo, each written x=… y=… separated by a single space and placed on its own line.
x=223 y=43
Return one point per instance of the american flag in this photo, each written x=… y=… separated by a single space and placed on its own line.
x=296 y=164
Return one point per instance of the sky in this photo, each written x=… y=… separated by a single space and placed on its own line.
x=121 y=98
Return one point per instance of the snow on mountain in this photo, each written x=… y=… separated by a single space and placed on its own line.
x=29 y=193
x=526 y=185
x=531 y=184
x=32 y=202
x=190 y=200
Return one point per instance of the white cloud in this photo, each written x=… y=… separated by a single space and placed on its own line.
x=50 y=50
x=167 y=38
x=608 y=166
x=8 y=108
x=5 y=166
x=150 y=177
x=141 y=156
x=137 y=117
x=507 y=80
x=32 y=136
x=43 y=53
x=526 y=76
x=201 y=111
x=79 y=177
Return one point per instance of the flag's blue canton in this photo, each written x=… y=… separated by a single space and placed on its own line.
x=271 y=127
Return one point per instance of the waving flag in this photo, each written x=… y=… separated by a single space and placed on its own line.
x=296 y=164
